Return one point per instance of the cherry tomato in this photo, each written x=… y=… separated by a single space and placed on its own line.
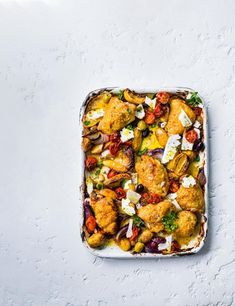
x=91 y=163
x=197 y=111
x=121 y=193
x=149 y=117
x=135 y=233
x=90 y=224
x=174 y=186
x=154 y=198
x=111 y=173
x=191 y=136
x=158 y=112
x=128 y=143
x=150 y=198
x=163 y=97
x=115 y=137
x=114 y=148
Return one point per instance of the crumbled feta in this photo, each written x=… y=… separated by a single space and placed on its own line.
x=202 y=159
x=127 y=208
x=129 y=232
x=172 y=196
x=126 y=134
x=186 y=145
x=184 y=119
x=133 y=196
x=171 y=148
x=105 y=153
x=197 y=131
x=95 y=114
x=89 y=185
x=151 y=102
x=166 y=245
x=134 y=177
x=126 y=184
x=140 y=113
x=197 y=124
x=188 y=181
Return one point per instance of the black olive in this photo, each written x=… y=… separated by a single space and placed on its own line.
x=140 y=188
x=145 y=132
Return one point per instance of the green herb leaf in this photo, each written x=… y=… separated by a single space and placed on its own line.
x=86 y=122
x=97 y=171
x=99 y=163
x=154 y=125
x=194 y=100
x=150 y=95
x=120 y=94
x=141 y=152
x=123 y=182
x=137 y=221
x=129 y=127
x=100 y=186
x=169 y=221
x=197 y=158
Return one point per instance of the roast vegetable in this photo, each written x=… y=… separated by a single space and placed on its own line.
x=116 y=180
x=179 y=164
x=162 y=136
x=133 y=97
x=136 y=143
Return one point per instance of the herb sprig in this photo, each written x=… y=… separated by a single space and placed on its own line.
x=137 y=221
x=194 y=99
x=169 y=221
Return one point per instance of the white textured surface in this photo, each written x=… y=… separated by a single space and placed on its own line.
x=51 y=54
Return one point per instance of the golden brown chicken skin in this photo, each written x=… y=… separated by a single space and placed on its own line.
x=117 y=115
x=152 y=175
x=152 y=214
x=191 y=198
x=186 y=222
x=174 y=125
x=105 y=214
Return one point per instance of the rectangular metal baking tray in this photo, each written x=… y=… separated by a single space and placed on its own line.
x=114 y=251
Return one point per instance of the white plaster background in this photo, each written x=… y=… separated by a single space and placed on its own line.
x=51 y=54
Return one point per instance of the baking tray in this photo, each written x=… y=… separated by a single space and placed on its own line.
x=114 y=251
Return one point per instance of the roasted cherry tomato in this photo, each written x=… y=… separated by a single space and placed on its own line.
x=111 y=173
x=149 y=117
x=154 y=198
x=163 y=97
x=128 y=143
x=174 y=186
x=91 y=163
x=114 y=148
x=191 y=136
x=90 y=224
x=121 y=193
x=150 y=198
x=158 y=112
x=197 y=111
x=115 y=137
x=135 y=233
